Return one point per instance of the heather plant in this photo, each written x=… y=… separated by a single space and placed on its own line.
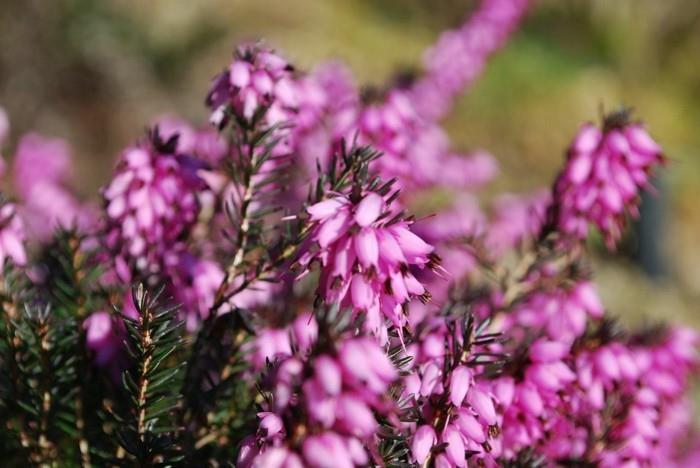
x=255 y=291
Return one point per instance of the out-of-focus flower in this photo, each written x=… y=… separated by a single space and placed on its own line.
x=460 y=55
x=257 y=79
x=435 y=386
x=323 y=410
x=12 y=235
x=41 y=169
x=417 y=151
x=516 y=218
x=103 y=337
x=206 y=144
x=562 y=312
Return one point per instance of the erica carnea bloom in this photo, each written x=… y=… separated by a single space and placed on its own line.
x=366 y=255
x=516 y=219
x=417 y=151
x=151 y=202
x=12 y=235
x=323 y=408
x=460 y=55
x=605 y=171
x=258 y=80
x=454 y=402
x=41 y=169
x=563 y=312
x=610 y=403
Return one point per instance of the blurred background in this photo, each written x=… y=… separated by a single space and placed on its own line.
x=97 y=72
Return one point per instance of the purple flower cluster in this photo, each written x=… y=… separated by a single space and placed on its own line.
x=614 y=404
x=322 y=409
x=602 y=179
x=151 y=203
x=460 y=55
x=417 y=151
x=366 y=256
x=454 y=405
x=378 y=358
x=257 y=80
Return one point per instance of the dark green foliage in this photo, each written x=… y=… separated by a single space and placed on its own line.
x=73 y=286
x=38 y=378
x=147 y=427
x=217 y=401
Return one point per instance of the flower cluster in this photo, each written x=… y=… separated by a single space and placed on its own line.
x=366 y=255
x=325 y=326
x=452 y=401
x=610 y=404
x=321 y=410
x=603 y=177
x=460 y=55
x=151 y=202
x=416 y=151
x=257 y=81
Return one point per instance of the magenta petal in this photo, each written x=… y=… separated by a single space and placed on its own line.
x=460 y=380
x=361 y=293
x=640 y=140
x=423 y=440
x=580 y=168
x=483 y=405
x=332 y=229
x=587 y=139
x=328 y=374
x=548 y=351
x=414 y=248
x=367 y=248
x=455 y=446
x=470 y=427
x=326 y=208
x=369 y=209
x=356 y=415
x=240 y=74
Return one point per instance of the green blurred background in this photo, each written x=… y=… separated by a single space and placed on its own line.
x=96 y=72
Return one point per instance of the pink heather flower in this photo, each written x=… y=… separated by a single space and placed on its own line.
x=336 y=395
x=462 y=393
x=271 y=344
x=416 y=151
x=41 y=168
x=12 y=235
x=601 y=182
x=329 y=105
x=557 y=405
x=194 y=285
x=365 y=261
x=516 y=219
x=256 y=79
x=423 y=441
x=460 y=55
x=562 y=313
x=40 y=160
x=103 y=337
x=151 y=203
